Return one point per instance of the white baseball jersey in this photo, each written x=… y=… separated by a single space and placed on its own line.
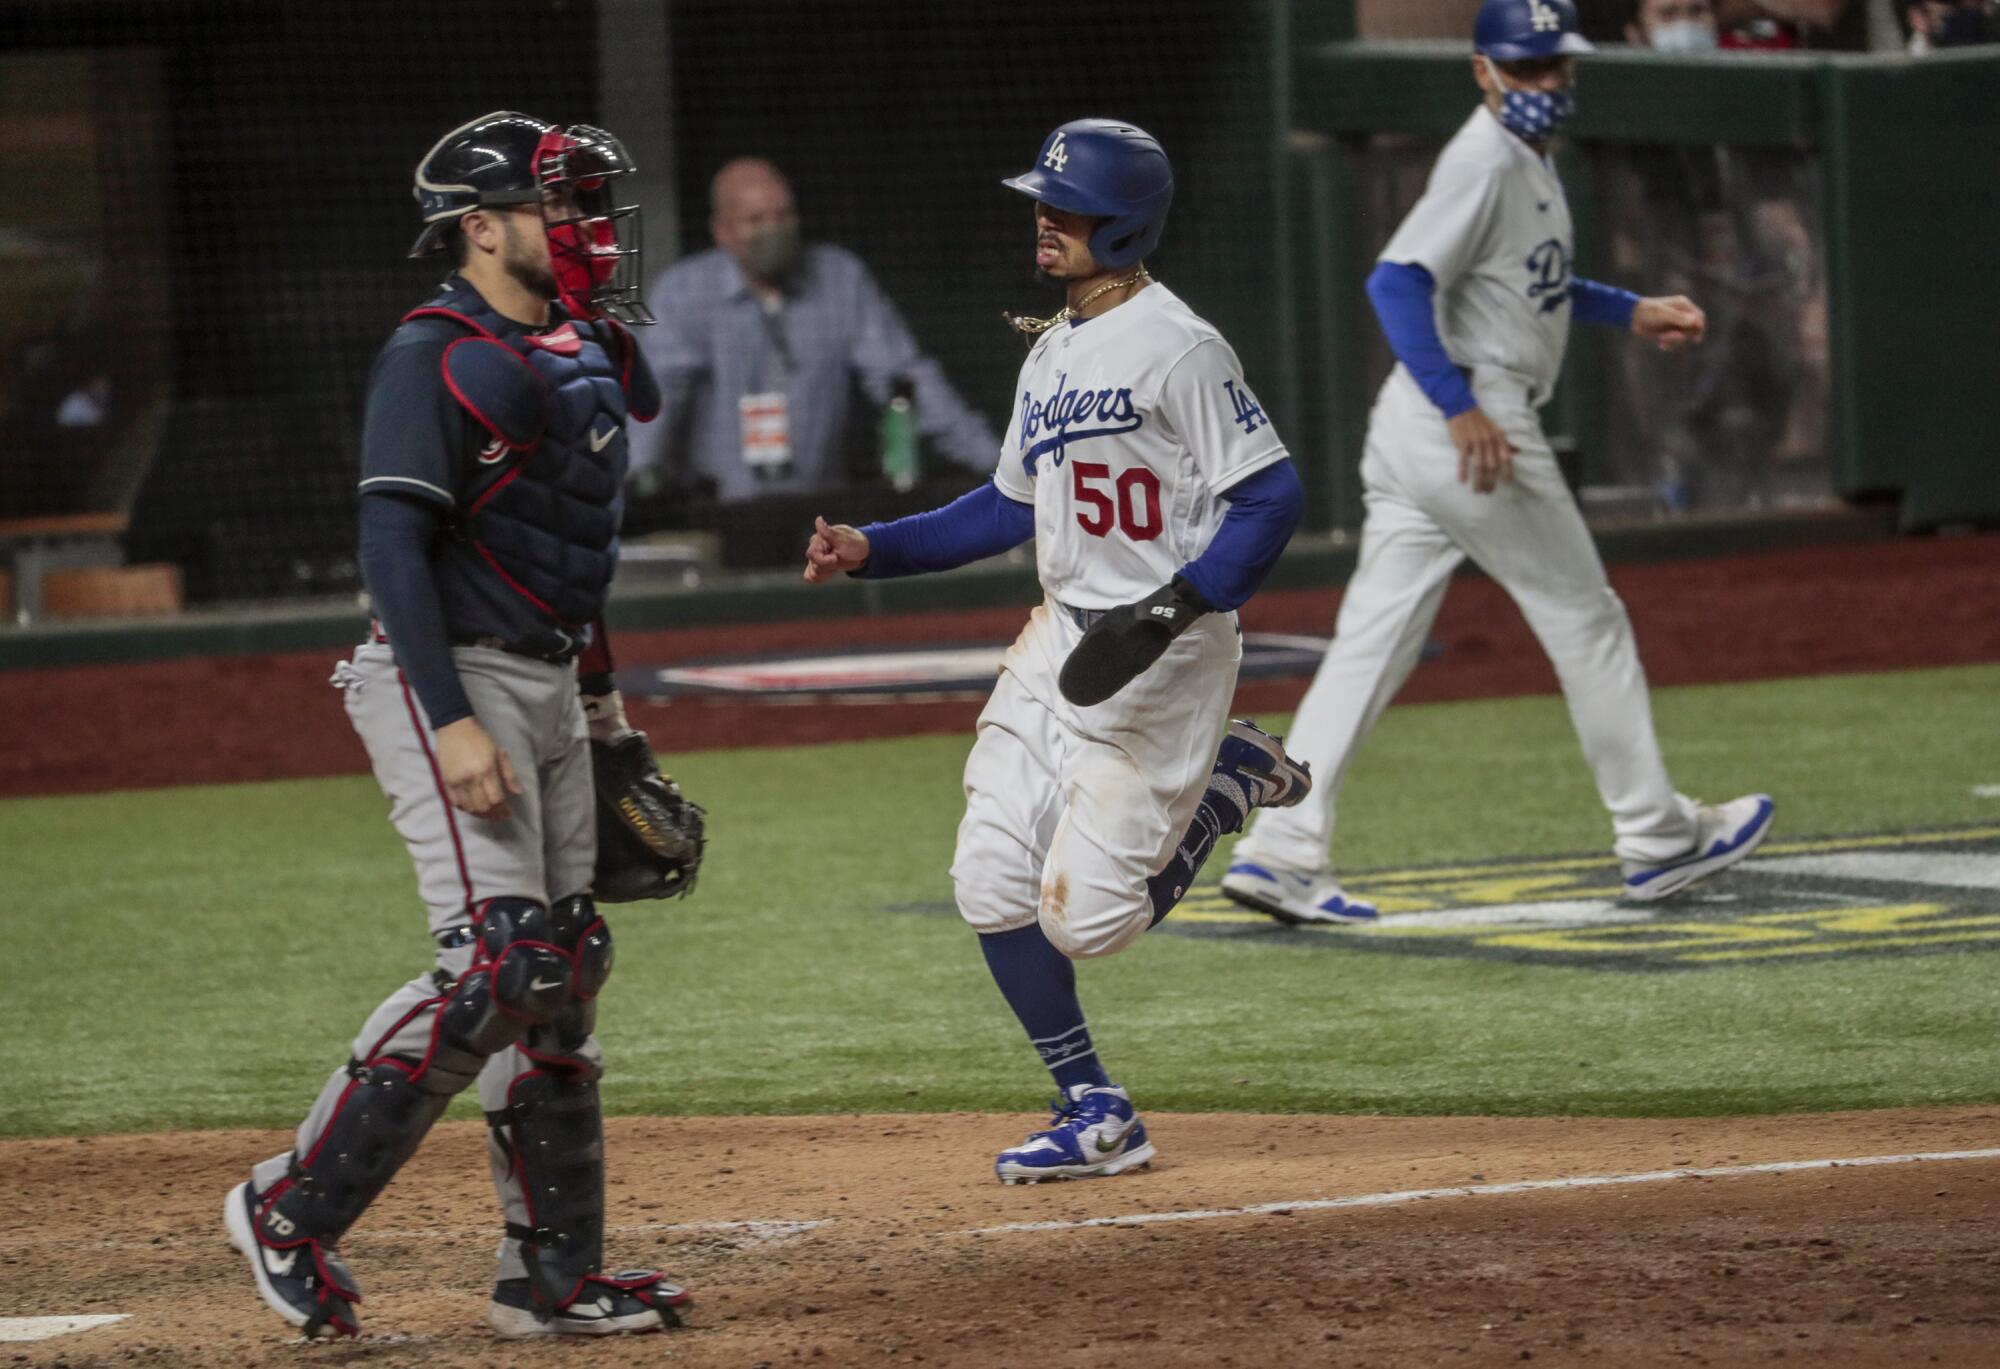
x=1494 y=231
x=1128 y=428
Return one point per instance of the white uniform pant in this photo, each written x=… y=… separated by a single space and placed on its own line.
x=1069 y=810
x=1530 y=537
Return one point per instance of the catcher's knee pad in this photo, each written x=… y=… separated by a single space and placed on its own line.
x=472 y=1025
x=553 y=1131
x=533 y=976
x=585 y=939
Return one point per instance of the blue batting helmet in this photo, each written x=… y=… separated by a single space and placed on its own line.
x=1516 y=30
x=1108 y=170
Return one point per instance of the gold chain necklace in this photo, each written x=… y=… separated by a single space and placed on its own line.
x=1033 y=326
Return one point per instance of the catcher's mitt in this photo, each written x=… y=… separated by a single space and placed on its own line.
x=649 y=835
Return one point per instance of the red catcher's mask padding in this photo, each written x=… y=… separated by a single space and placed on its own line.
x=595 y=255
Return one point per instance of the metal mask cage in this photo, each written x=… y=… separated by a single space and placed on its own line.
x=620 y=292
x=581 y=164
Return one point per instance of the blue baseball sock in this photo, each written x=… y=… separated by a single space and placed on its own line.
x=1222 y=811
x=1039 y=983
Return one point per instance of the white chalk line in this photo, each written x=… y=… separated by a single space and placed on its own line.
x=1415 y=1195
x=48 y=1328
x=770 y=1229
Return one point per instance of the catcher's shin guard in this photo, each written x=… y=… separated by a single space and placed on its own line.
x=402 y=1084
x=388 y=1104
x=553 y=1134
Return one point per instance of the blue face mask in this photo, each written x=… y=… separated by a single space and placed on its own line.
x=1534 y=116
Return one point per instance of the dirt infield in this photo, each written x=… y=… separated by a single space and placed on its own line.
x=1801 y=611
x=1896 y=1264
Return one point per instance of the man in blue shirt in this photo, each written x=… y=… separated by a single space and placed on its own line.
x=760 y=342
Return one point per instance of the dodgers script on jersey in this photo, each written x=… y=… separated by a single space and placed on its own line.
x=1126 y=430
x=1494 y=231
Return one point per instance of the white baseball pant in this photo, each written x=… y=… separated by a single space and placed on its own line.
x=1069 y=810
x=1530 y=537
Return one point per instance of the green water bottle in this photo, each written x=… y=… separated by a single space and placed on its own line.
x=899 y=436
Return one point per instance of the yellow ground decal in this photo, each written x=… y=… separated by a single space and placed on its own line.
x=1900 y=893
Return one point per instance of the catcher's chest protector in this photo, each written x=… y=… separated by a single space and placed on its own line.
x=545 y=493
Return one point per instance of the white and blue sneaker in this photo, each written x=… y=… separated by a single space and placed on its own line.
x=1294 y=897
x=1095 y=1134
x=1254 y=756
x=1724 y=834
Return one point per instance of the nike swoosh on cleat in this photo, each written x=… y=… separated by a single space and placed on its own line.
x=1105 y=1147
x=281 y=1266
x=599 y=442
x=541 y=984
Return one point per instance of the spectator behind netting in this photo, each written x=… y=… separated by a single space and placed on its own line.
x=1783 y=24
x=1755 y=25
x=760 y=342
x=1935 y=24
x=1672 y=25
x=1741 y=424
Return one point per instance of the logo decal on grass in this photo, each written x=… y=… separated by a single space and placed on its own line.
x=1793 y=901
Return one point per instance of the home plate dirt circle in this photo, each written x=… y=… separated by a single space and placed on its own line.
x=873 y=1239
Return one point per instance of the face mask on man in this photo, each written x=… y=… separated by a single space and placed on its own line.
x=1534 y=116
x=770 y=253
x=1684 y=35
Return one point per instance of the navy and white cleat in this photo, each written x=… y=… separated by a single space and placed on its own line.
x=1293 y=897
x=302 y=1281
x=1724 y=834
x=1095 y=1134
x=631 y=1301
x=1254 y=756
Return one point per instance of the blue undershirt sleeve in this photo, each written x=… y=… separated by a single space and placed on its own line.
x=1264 y=508
x=396 y=536
x=970 y=528
x=1593 y=301
x=1401 y=294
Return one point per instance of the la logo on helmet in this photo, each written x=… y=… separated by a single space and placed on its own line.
x=1545 y=18
x=1058 y=155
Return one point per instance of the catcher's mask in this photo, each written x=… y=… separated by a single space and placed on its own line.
x=507 y=158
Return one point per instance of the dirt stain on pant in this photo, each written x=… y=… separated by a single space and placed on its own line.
x=1055 y=902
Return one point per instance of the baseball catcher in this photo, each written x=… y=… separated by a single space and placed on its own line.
x=492 y=469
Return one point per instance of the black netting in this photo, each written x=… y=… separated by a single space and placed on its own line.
x=211 y=275
x=203 y=247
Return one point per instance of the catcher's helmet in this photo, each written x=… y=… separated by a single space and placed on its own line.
x=1518 y=30
x=508 y=158
x=1108 y=170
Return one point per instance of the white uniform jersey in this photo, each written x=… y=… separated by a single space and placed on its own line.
x=1494 y=231
x=1127 y=429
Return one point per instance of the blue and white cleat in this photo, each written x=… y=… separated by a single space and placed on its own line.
x=1293 y=897
x=1724 y=834
x=1095 y=1134
x=1254 y=756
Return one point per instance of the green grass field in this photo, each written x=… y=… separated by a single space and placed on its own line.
x=200 y=957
